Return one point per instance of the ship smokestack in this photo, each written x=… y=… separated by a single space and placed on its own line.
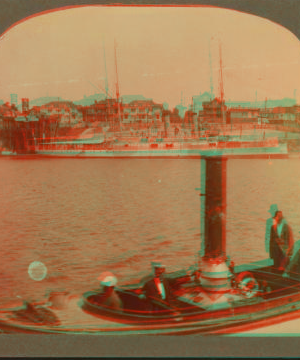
x=215 y=207
x=215 y=273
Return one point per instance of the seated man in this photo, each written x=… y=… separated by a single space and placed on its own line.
x=157 y=289
x=108 y=296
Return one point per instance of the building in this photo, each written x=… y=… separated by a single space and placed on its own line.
x=23 y=131
x=67 y=112
x=25 y=105
x=242 y=115
x=198 y=100
x=107 y=112
x=14 y=99
x=142 y=111
x=175 y=117
x=181 y=110
x=20 y=133
x=281 y=116
x=213 y=113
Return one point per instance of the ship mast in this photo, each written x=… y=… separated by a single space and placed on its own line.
x=221 y=74
x=221 y=85
x=117 y=86
x=211 y=75
x=107 y=112
x=106 y=79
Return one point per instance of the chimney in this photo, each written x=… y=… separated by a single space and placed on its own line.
x=25 y=105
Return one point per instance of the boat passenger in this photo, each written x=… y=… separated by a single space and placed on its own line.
x=281 y=241
x=108 y=295
x=157 y=288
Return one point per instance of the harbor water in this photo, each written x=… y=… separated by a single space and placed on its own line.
x=81 y=217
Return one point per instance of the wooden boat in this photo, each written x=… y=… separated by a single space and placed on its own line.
x=244 y=308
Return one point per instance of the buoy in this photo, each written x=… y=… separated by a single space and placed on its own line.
x=247 y=284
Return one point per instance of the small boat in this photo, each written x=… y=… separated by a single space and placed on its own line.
x=244 y=307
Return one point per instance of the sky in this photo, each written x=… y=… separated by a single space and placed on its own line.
x=162 y=52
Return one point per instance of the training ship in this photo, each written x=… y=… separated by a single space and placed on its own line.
x=164 y=148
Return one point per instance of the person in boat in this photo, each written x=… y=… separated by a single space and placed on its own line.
x=108 y=295
x=281 y=241
x=156 y=289
x=294 y=265
x=269 y=223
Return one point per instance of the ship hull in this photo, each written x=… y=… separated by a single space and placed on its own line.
x=262 y=152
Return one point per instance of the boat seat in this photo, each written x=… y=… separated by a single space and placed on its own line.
x=131 y=300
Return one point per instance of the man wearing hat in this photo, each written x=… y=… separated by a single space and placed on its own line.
x=157 y=288
x=269 y=223
x=281 y=242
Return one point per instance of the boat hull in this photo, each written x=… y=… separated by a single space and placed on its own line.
x=282 y=304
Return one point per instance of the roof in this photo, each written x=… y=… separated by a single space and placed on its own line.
x=214 y=101
x=144 y=103
x=206 y=96
x=21 y=118
x=60 y=104
x=242 y=109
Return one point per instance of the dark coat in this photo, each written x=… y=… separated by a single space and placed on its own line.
x=281 y=247
x=152 y=293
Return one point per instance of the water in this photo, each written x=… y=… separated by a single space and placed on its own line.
x=81 y=217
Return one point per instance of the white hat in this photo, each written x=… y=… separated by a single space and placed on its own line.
x=108 y=279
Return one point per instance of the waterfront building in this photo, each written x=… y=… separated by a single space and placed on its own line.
x=242 y=115
x=25 y=105
x=67 y=112
x=107 y=111
x=142 y=111
x=14 y=99
x=181 y=110
x=20 y=132
x=7 y=112
x=281 y=116
x=175 y=117
x=198 y=100
x=213 y=113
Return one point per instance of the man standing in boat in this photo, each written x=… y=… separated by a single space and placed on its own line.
x=269 y=223
x=281 y=241
x=157 y=289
